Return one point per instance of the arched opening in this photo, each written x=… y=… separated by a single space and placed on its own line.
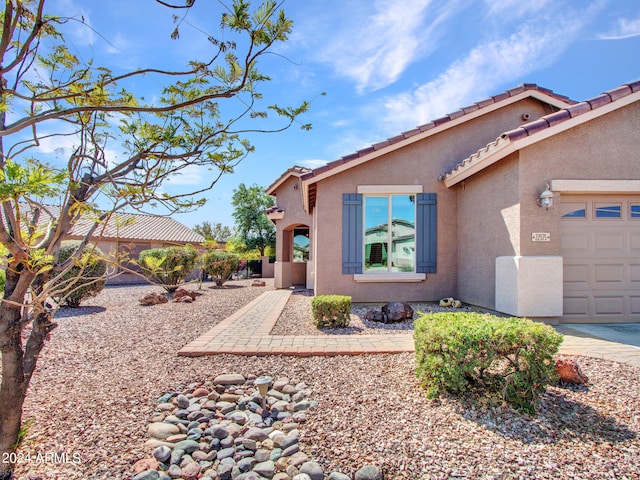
x=296 y=253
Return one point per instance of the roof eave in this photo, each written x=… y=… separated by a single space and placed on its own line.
x=504 y=146
x=383 y=149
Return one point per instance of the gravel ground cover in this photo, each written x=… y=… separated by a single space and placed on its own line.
x=100 y=377
x=296 y=317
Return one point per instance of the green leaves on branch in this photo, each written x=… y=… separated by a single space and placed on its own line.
x=30 y=178
x=168 y=266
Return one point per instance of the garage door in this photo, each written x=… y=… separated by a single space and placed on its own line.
x=601 y=250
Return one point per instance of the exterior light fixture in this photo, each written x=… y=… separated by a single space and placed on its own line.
x=545 y=199
x=263 y=386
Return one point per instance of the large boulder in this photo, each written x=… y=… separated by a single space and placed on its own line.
x=569 y=372
x=397 y=312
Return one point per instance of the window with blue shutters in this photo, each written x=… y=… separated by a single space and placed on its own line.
x=385 y=234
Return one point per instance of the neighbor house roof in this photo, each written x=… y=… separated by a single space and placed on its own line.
x=542 y=128
x=526 y=90
x=131 y=226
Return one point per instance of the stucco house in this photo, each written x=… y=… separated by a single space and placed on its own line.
x=129 y=233
x=527 y=203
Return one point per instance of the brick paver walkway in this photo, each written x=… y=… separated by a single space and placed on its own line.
x=247 y=332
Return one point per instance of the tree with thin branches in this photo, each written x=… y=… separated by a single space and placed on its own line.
x=44 y=87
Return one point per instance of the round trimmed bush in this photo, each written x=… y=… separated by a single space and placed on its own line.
x=87 y=276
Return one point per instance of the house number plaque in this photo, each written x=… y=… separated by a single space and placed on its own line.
x=540 y=237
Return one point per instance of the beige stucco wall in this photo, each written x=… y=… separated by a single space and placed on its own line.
x=497 y=207
x=489 y=227
x=417 y=164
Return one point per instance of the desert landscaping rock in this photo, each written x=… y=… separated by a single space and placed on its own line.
x=109 y=361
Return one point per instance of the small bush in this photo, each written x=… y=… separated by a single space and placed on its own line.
x=510 y=358
x=169 y=266
x=86 y=278
x=3 y=281
x=220 y=265
x=332 y=311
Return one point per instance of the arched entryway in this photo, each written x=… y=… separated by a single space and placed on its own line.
x=295 y=255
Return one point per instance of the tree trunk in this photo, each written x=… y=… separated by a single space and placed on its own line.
x=13 y=388
x=18 y=362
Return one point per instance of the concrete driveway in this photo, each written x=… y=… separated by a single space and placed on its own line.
x=626 y=333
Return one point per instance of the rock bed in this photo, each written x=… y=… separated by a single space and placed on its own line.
x=222 y=432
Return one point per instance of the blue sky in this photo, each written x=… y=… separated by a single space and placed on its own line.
x=385 y=66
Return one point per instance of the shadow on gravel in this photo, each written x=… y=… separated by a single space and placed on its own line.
x=559 y=419
x=76 y=312
x=226 y=287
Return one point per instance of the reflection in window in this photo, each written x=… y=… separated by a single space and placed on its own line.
x=390 y=233
x=635 y=211
x=608 y=211
x=301 y=245
x=580 y=213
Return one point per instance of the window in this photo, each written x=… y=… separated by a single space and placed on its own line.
x=607 y=210
x=390 y=233
x=389 y=237
x=301 y=245
x=634 y=210
x=574 y=209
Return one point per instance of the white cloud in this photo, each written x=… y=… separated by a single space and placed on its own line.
x=624 y=28
x=375 y=50
x=189 y=176
x=533 y=46
x=514 y=8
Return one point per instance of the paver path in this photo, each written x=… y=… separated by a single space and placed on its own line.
x=246 y=332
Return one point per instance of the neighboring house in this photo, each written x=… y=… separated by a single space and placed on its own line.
x=129 y=234
x=452 y=208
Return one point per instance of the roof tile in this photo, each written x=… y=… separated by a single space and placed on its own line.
x=618 y=93
x=557 y=117
x=515 y=134
x=634 y=86
x=599 y=101
x=379 y=145
x=515 y=91
x=535 y=126
x=578 y=109
x=500 y=97
x=427 y=126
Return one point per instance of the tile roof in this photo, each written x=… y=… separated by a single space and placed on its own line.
x=296 y=171
x=525 y=87
x=542 y=124
x=130 y=226
x=142 y=227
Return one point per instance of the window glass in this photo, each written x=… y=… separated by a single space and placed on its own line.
x=376 y=233
x=390 y=233
x=608 y=211
x=403 y=233
x=635 y=210
x=300 y=244
x=574 y=210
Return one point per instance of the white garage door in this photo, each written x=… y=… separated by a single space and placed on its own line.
x=601 y=250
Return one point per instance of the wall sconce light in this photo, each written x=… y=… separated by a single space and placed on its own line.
x=545 y=199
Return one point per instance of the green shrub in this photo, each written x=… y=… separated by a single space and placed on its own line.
x=220 y=265
x=85 y=279
x=332 y=311
x=3 y=281
x=510 y=358
x=169 y=266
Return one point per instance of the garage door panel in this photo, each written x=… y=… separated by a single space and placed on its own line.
x=575 y=242
x=604 y=273
x=576 y=274
x=634 y=301
x=601 y=260
x=608 y=242
x=576 y=306
x=608 y=305
x=634 y=273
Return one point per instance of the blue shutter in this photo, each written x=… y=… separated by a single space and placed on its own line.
x=351 y=233
x=426 y=233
